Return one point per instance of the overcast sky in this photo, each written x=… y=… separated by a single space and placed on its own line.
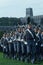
x=17 y=8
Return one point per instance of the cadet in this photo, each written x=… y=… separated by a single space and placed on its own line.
x=1 y=42
x=5 y=45
x=42 y=47
x=22 y=32
x=18 y=35
x=39 y=44
x=15 y=44
x=30 y=38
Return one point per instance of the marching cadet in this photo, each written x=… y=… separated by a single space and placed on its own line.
x=36 y=30
x=14 y=35
x=36 y=37
x=39 y=44
x=22 y=32
x=15 y=44
x=11 y=45
x=23 y=46
x=30 y=38
x=5 y=46
x=42 y=46
x=11 y=35
x=42 y=34
x=18 y=35
x=2 y=41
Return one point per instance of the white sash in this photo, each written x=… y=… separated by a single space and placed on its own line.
x=30 y=32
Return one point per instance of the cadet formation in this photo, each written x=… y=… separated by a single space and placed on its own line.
x=25 y=43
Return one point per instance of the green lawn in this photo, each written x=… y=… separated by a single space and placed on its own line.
x=6 y=61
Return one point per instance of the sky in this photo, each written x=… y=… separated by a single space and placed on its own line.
x=17 y=8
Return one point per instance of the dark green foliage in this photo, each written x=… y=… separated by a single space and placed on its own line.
x=5 y=21
x=1 y=34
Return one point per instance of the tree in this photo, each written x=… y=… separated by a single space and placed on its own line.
x=5 y=21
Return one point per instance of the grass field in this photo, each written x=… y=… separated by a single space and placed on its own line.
x=6 y=61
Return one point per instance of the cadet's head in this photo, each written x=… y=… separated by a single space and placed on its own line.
x=14 y=32
x=4 y=35
x=29 y=25
x=19 y=29
x=7 y=35
x=22 y=29
x=40 y=30
x=36 y=29
x=11 y=33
